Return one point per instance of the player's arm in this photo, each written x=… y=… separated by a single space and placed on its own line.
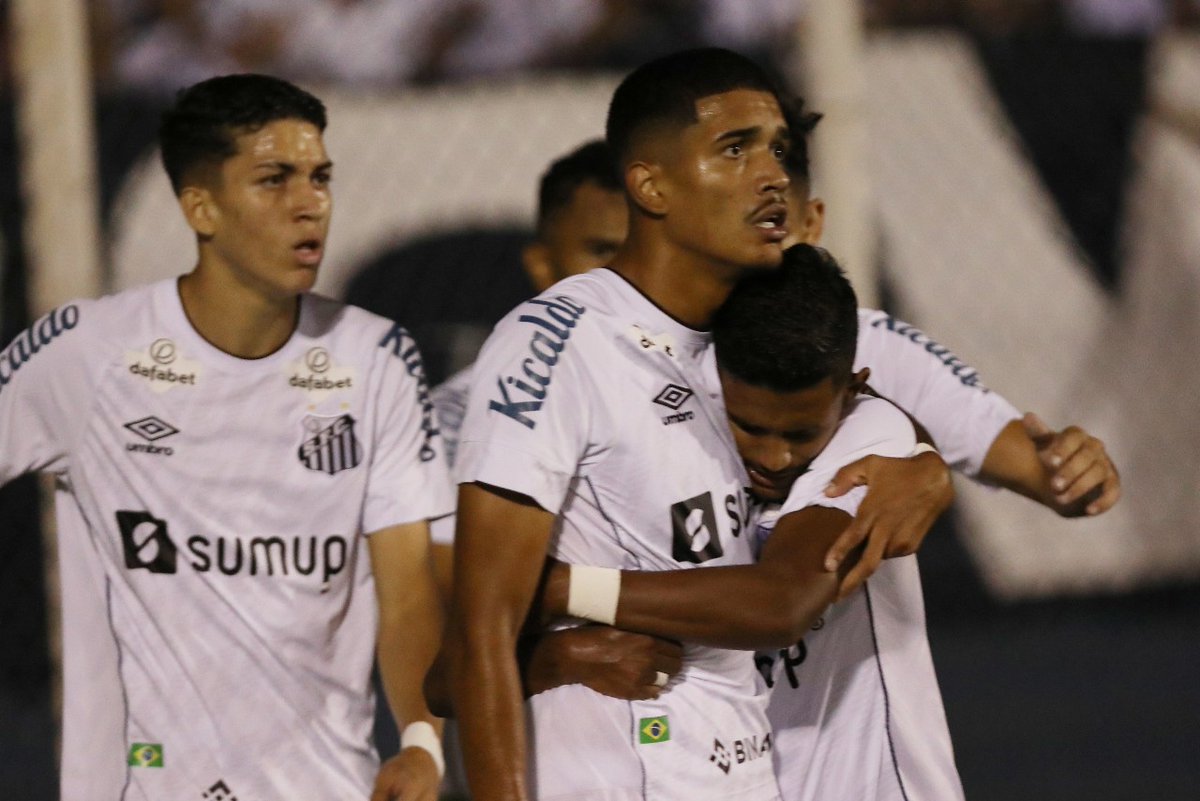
x=769 y=604
x=500 y=546
x=1068 y=471
x=410 y=626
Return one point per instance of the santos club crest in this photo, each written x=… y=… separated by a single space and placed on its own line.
x=329 y=444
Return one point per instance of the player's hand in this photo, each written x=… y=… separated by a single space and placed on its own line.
x=411 y=775
x=616 y=663
x=904 y=497
x=1083 y=479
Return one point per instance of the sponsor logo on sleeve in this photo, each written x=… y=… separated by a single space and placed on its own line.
x=404 y=347
x=958 y=368
x=654 y=730
x=329 y=444
x=318 y=376
x=673 y=396
x=145 y=755
x=31 y=341
x=151 y=429
x=520 y=396
x=695 y=537
x=163 y=366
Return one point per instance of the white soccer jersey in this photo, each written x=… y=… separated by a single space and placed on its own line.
x=219 y=609
x=596 y=404
x=855 y=707
x=924 y=378
x=929 y=382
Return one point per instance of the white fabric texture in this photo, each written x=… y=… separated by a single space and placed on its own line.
x=218 y=600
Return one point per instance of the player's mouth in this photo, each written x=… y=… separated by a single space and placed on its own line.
x=772 y=485
x=771 y=220
x=308 y=252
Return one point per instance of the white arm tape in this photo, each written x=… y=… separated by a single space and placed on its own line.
x=593 y=592
x=922 y=447
x=421 y=734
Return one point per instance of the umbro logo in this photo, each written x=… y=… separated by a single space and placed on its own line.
x=673 y=396
x=151 y=429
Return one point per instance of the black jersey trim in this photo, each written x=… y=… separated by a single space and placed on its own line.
x=887 y=708
x=120 y=681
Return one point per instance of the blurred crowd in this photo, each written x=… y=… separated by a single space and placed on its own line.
x=155 y=46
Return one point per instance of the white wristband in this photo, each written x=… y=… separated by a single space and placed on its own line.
x=593 y=592
x=421 y=734
x=922 y=447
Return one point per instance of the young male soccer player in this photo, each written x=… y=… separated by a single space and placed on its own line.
x=246 y=471
x=595 y=429
x=862 y=716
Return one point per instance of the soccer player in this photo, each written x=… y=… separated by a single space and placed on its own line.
x=595 y=430
x=246 y=471
x=855 y=709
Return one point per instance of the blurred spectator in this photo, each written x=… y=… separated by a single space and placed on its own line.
x=372 y=43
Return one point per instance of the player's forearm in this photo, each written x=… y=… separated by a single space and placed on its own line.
x=486 y=689
x=409 y=636
x=1012 y=463
x=750 y=607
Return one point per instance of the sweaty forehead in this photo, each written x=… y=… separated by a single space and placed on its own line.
x=740 y=108
x=285 y=140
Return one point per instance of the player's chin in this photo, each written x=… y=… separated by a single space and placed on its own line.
x=768 y=493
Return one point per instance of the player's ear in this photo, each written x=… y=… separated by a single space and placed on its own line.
x=535 y=258
x=858 y=382
x=643 y=182
x=199 y=209
x=813 y=224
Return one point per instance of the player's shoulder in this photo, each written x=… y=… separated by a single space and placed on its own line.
x=871 y=426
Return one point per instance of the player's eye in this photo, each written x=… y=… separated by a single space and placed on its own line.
x=734 y=149
x=274 y=179
x=322 y=178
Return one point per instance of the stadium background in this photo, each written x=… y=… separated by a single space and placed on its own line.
x=1020 y=178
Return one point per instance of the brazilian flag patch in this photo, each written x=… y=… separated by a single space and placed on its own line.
x=146 y=755
x=653 y=730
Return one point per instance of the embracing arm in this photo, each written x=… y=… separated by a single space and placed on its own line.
x=1067 y=471
x=500 y=547
x=768 y=604
x=410 y=625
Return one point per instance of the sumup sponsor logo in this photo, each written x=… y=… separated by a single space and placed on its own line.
x=33 y=339
x=404 y=347
x=522 y=395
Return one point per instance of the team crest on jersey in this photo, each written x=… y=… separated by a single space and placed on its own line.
x=329 y=445
x=219 y=792
x=318 y=375
x=163 y=366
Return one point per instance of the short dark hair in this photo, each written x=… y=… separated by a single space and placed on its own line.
x=667 y=89
x=789 y=329
x=800 y=124
x=591 y=161
x=200 y=128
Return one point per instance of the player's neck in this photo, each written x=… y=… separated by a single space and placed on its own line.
x=234 y=318
x=687 y=287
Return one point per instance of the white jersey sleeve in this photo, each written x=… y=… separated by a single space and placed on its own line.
x=871 y=426
x=945 y=395
x=44 y=391
x=408 y=480
x=528 y=417
x=450 y=401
